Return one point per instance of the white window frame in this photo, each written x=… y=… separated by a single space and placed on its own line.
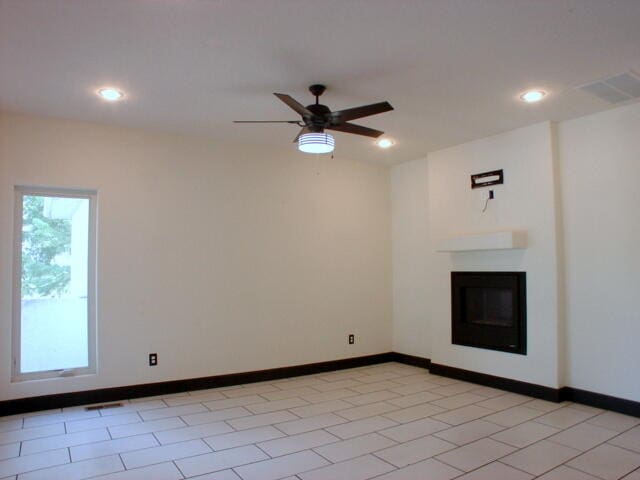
x=91 y=195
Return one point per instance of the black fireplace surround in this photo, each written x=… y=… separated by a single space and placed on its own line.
x=488 y=310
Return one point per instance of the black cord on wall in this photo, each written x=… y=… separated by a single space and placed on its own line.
x=486 y=203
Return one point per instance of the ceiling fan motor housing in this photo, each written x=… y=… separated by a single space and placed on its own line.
x=320 y=118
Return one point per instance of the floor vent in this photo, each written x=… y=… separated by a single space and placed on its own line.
x=103 y=407
x=617 y=89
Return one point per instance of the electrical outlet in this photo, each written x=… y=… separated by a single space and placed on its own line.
x=153 y=359
x=352 y=339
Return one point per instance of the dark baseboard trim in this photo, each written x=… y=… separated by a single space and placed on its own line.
x=599 y=400
x=411 y=360
x=515 y=386
x=103 y=395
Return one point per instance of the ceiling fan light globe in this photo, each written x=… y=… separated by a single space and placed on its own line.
x=316 y=143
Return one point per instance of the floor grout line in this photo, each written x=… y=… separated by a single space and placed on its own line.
x=385 y=374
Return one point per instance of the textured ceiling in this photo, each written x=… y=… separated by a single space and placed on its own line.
x=452 y=69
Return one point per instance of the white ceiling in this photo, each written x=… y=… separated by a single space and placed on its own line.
x=452 y=69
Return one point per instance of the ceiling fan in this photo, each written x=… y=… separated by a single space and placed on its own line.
x=317 y=118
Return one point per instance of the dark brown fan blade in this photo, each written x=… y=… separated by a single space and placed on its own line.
x=301 y=132
x=357 y=129
x=267 y=121
x=359 y=112
x=294 y=104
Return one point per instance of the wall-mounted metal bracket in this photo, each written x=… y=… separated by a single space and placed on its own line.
x=486 y=179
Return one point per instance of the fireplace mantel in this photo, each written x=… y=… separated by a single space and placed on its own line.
x=504 y=240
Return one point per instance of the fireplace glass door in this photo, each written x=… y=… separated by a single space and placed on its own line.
x=489 y=311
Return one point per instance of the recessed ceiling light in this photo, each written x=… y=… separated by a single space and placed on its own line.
x=111 y=94
x=533 y=96
x=385 y=143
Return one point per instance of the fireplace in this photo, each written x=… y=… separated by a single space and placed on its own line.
x=488 y=310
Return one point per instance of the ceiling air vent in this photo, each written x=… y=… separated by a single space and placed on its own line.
x=619 y=88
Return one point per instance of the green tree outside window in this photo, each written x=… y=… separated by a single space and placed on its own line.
x=43 y=239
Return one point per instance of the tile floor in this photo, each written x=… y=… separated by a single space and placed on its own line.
x=388 y=422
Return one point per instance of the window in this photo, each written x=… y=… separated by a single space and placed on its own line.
x=54 y=283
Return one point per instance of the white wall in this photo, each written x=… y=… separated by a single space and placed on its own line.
x=524 y=202
x=410 y=226
x=600 y=173
x=222 y=259
x=575 y=189
x=288 y=253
